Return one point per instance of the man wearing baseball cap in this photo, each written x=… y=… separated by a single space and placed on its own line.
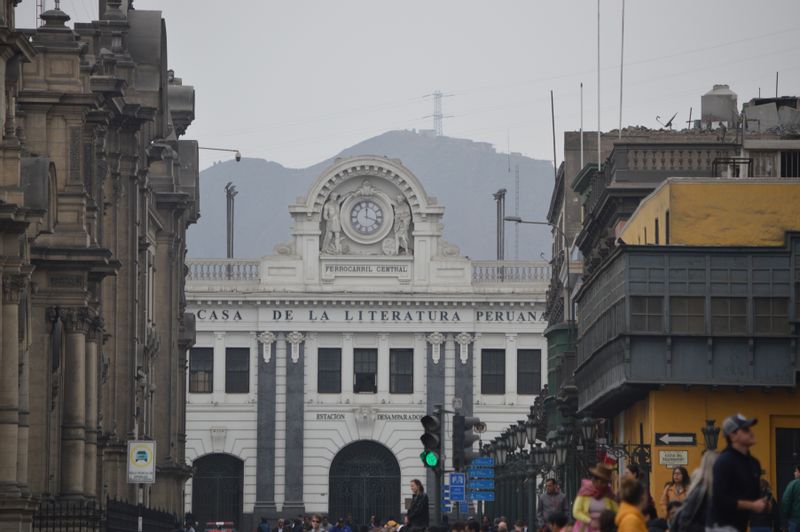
x=736 y=489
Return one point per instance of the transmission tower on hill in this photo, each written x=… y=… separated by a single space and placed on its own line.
x=438 y=116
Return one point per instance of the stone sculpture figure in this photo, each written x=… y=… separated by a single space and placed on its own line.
x=402 y=222
x=332 y=243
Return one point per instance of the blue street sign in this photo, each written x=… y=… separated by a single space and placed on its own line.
x=481 y=495
x=481 y=484
x=483 y=461
x=445 y=509
x=458 y=479
x=474 y=472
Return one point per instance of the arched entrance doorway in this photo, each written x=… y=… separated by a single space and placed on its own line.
x=217 y=489
x=364 y=480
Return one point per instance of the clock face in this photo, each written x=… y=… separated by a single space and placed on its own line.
x=366 y=217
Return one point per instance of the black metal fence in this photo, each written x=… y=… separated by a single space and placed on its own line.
x=117 y=516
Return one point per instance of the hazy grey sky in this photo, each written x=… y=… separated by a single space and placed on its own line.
x=296 y=81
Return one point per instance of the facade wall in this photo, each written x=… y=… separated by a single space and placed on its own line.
x=675 y=409
x=711 y=213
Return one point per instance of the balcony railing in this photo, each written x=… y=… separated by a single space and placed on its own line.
x=493 y=272
x=223 y=270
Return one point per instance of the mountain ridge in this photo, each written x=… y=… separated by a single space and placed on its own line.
x=462 y=174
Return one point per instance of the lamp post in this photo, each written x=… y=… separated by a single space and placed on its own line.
x=563 y=236
x=237 y=153
x=710 y=435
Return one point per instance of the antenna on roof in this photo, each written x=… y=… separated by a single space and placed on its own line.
x=668 y=123
x=39 y=11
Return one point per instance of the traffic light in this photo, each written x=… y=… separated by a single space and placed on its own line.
x=464 y=438
x=432 y=440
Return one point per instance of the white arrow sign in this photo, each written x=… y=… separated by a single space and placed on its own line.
x=671 y=439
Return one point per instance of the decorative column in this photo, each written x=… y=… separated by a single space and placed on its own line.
x=463 y=371
x=511 y=368
x=435 y=393
x=347 y=363
x=383 y=365
x=9 y=384
x=93 y=339
x=295 y=411
x=73 y=426
x=265 y=443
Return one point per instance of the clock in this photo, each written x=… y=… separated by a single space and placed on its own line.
x=366 y=217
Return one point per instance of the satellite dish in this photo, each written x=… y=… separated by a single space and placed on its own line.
x=668 y=123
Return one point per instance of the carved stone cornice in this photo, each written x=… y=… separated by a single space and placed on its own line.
x=96 y=329
x=436 y=339
x=77 y=320
x=295 y=338
x=266 y=339
x=13 y=286
x=463 y=340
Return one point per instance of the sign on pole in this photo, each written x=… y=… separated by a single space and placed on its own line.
x=483 y=461
x=458 y=487
x=481 y=484
x=141 y=462
x=475 y=472
x=481 y=495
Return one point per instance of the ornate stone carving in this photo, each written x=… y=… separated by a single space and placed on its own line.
x=436 y=340
x=13 y=285
x=402 y=223
x=463 y=340
x=332 y=243
x=295 y=339
x=266 y=339
x=96 y=329
x=77 y=320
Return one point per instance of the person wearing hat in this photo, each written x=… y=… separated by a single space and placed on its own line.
x=736 y=487
x=594 y=496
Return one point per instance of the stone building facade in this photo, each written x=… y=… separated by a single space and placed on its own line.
x=96 y=192
x=314 y=365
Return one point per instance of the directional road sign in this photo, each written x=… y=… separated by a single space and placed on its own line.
x=458 y=487
x=481 y=484
x=480 y=472
x=676 y=438
x=483 y=461
x=481 y=495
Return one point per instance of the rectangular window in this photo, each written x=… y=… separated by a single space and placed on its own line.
x=365 y=370
x=237 y=370
x=772 y=315
x=529 y=371
x=493 y=371
x=687 y=315
x=201 y=370
x=647 y=314
x=657 y=232
x=401 y=371
x=728 y=315
x=329 y=370
x=790 y=163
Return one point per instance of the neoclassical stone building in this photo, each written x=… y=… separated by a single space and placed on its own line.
x=314 y=365
x=96 y=192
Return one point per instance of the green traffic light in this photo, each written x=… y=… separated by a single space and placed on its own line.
x=430 y=459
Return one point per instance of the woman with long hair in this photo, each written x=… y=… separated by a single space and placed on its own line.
x=676 y=489
x=692 y=515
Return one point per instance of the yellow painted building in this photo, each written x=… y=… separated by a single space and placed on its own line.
x=716 y=212
x=734 y=214
x=675 y=409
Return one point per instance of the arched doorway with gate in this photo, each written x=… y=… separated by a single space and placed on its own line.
x=217 y=487
x=364 y=480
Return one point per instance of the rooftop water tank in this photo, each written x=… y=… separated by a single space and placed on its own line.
x=719 y=105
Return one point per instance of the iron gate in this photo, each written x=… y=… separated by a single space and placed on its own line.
x=217 y=489
x=364 y=481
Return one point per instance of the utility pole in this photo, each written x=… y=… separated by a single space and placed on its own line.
x=230 y=194
x=438 y=116
x=500 y=198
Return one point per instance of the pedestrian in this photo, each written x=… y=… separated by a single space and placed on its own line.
x=417 y=515
x=279 y=526
x=594 y=496
x=771 y=519
x=676 y=489
x=790 y=502
x=189 y=527
x=672 y=510
x=263 y=526
x=325 y=525
x=692 y=515
x=606 y=521
x=634 y=471
x=316 y=523
x=339 y=525
x=557 y=522
x=736 y=490
x=519 y=526
x=630 y=517
x=550 y=502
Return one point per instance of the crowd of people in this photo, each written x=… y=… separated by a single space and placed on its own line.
x=726 y=493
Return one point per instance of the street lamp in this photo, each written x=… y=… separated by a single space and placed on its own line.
x=237 y=156
x=588 y=428
x=560 y=232
x=521 y=434
x=710 y=434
